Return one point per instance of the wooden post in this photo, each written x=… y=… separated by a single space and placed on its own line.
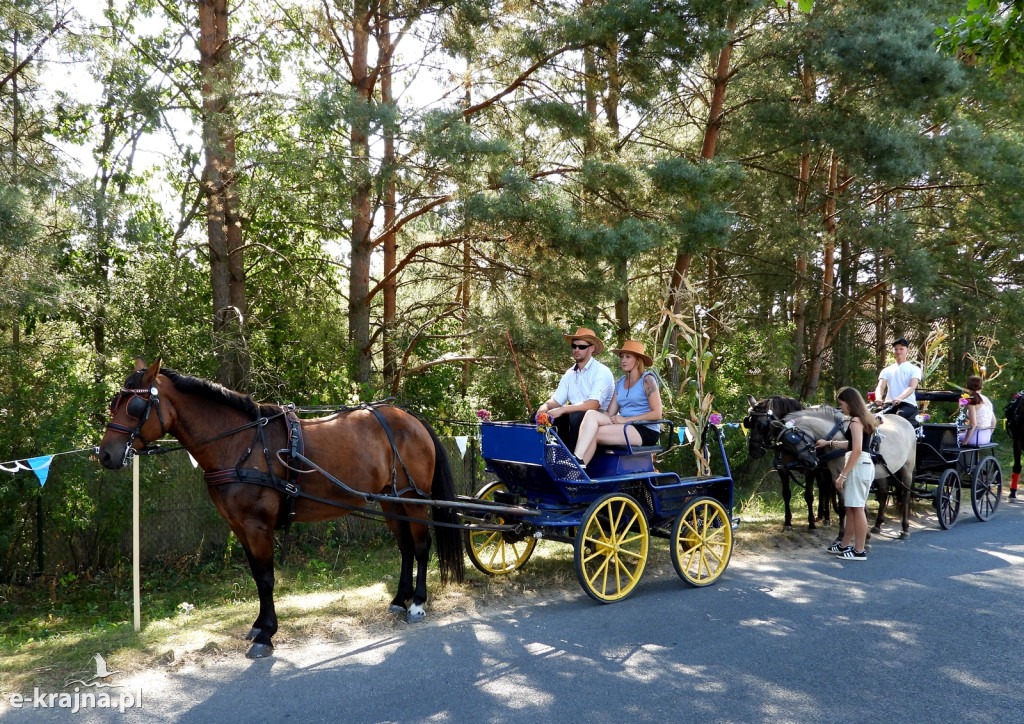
x=136 y=583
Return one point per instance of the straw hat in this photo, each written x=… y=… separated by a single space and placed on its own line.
x=631 y=346
x=589 y=336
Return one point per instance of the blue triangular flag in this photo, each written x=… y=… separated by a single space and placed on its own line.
x=41 y=467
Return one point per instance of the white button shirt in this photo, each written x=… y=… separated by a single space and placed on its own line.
x=594 y=382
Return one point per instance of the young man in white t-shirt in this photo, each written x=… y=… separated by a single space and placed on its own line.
x=897 y=383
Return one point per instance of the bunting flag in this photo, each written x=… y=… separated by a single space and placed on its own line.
x=461 y=441
x=192 y=459
x=15 y=467
x=41 y=467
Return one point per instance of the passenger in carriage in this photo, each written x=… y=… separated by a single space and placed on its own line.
x=897 y=383
x=981 y=417
x=586 y=386
x=637 y=397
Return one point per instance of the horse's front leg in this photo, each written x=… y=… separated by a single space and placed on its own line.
x=787 y=495
x=259 y=549
x=809 y=499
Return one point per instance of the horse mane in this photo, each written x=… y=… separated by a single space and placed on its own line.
x=210 y=391
x=780 y=405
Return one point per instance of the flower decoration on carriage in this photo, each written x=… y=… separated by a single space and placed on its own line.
x=715 y=418
x=484 y=415
x=965 y=400
x=543 y=423
x=923 y=417
x=871 y=396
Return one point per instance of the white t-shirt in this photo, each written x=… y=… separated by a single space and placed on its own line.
x=897 y=379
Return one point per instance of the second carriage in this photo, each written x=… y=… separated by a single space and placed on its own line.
x=608 y=511
x=946 y=468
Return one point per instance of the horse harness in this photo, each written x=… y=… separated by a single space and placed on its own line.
x=294 y=456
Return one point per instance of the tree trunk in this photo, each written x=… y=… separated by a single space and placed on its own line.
x=821 y=336
x=362 y=220
x=224 y=231
x=677 y=283
x=389 y=239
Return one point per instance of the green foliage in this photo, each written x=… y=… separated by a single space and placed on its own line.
x=987 y=31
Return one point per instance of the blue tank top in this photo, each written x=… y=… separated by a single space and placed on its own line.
x=633 y=401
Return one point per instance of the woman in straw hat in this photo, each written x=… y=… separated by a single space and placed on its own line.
x=636 y=398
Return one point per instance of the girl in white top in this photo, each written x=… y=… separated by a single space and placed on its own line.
x=981 y=418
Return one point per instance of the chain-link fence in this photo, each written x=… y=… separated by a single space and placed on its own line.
x=82 y=518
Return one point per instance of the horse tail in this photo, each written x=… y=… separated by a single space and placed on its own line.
x=450 y=561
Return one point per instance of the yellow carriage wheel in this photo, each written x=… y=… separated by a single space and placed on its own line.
x=612 y=542
x=495 y=552
x=701 y=542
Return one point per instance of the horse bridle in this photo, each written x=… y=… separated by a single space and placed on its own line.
x=142 y=407
x=798 y=439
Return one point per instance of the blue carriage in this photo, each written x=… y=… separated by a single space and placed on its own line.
x=608 y=510
x=946 y=467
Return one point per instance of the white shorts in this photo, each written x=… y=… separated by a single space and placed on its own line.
x=858 y=482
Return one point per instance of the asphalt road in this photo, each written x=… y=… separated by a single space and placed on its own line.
x=926 y=630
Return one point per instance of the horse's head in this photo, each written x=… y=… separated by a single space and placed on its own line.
x=137 y=417
x=795 y=443
x=758 y=424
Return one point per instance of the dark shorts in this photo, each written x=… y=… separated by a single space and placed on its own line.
x=648 y=435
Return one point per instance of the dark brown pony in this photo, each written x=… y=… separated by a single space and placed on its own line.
x=250 y=453
x=1014 y=414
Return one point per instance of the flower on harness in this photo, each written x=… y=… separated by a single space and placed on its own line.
x=543 y=422
x=484 y=415
x=923 y=417
x=715 y=418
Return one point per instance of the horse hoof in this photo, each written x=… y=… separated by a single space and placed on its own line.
x=904 y=535
x=811 y=526
x=787 y=528
x=396 y=609
x=876 y=529
x=259 y=651
x=253 y=633
x=416 y=614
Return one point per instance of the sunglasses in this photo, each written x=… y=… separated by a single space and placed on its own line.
x=580 y=346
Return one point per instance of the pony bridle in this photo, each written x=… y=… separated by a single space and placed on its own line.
x=799 y=442
x=138 y=407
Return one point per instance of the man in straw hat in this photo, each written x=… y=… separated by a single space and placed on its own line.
x=587 y=385
x=897 y=383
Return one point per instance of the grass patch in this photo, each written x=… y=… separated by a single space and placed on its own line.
x=52 y=628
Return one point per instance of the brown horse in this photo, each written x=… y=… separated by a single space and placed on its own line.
x=265 y=468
